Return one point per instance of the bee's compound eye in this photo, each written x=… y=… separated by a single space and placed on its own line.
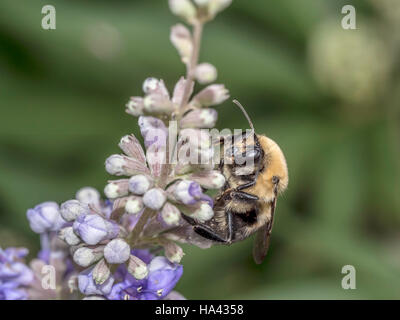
x=253 y=153
x=275 y=180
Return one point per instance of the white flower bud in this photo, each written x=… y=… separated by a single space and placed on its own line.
x=200 y=118
x=124 y=166
x=137 y=268
x=85 y=256
x=182 y=40
x=101 y=272
x=203 y=213
x=183 y=8
x=216 y=6
x=71 y=209
x=170 y=214
x=208 y=179
x=68 y=235
x=117 y=251
x=88 y=195
x=154 y=198
x=173 y=252
x=134 y=205
x=116 y=189
x=153 y=85
x=115 y=164
x=139 y=184
x=135 y=106
x=150 y=85
x=157 y=103
x=179 y=90
x=205 y=73
x=211 y=95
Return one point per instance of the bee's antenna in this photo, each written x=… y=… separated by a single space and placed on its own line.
x=245 y=113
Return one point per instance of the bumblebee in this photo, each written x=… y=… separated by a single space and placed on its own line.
x=246 y=204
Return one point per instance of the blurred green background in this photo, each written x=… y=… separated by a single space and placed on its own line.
x=330 y=97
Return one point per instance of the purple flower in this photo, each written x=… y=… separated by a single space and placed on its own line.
x=143 y=255
x=88 y=286
x=45 y=217
x=162 y=278
x=189 y=193
x=93 y=229
x=14 y=274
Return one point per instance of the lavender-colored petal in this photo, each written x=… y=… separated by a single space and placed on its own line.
x=45 y=217
x=91 y=228
x=88 y=286
x=163 y=276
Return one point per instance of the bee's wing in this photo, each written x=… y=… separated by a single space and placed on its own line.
x=262 y=238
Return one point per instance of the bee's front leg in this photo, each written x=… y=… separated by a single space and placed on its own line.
x=206 y=231
x=240 y=195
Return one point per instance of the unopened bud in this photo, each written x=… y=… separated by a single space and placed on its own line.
x=184 y=9
x=208 y=179
x=91 y=228
x=154 y=198
x=131 y=146
x=199 y=118
x=157 y=103
x=216 y=6
x=117 y=251
x=72 y=209
x=156 y=86
x=135 y=106
x=68 y=235
x=101 y=272
x=85 y=256
x=173 y=252
x=170 y=214
x=134 y=205
x=211 y=95
x=124 y=166
x=116 y=189
x=153 y=131
x=182 y=40
x=88 y=195
x=139 y=184
x=180 y=89
x=203 y=213
x=45 y=217
x=205 y=73
x=137 y=268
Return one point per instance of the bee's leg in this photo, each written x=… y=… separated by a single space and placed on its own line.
x=203 y=230
x=240 y=195
x=246 y=185
x=229 y=222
